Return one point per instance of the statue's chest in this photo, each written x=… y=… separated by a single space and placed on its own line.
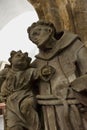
x=62 y=65
x=62 y=73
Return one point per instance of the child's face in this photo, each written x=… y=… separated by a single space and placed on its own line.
x=19 y=60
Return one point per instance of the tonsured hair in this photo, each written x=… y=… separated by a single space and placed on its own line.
x=40 y=22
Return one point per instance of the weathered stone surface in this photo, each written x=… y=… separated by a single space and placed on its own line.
x=62 y=59
x=14 y=84
x=65 y=14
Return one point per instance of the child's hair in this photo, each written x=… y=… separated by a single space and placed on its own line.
x=12 y=54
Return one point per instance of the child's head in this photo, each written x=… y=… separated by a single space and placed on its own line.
x=19 y=60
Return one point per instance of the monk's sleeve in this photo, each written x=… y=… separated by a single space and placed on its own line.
x=79 y=85
x=82 y=60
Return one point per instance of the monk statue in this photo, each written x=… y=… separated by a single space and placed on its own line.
x=62 y=59
x=16 y=83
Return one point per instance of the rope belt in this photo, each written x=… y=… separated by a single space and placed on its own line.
x=52 y=100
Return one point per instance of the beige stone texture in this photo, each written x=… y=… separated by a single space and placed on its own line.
x=65 y=14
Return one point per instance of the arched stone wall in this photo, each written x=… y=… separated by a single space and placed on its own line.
x=65 y=14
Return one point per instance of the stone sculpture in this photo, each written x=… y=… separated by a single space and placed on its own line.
x=62 y=59
x=64 y=14
x=16 y=82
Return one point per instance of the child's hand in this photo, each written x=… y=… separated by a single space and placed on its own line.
x=46 y=71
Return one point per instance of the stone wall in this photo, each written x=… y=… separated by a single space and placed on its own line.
x=65 y=14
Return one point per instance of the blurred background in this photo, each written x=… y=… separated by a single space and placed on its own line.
x=15 y=17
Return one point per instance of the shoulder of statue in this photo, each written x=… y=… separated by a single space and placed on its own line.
x=65 y=40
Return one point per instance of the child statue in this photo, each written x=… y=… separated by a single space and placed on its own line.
x=16 y=82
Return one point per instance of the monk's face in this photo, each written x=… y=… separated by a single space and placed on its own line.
x=40 y=35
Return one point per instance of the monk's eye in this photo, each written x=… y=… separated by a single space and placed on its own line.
x=34 y=33
x=39 y=29
x=47 y=30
